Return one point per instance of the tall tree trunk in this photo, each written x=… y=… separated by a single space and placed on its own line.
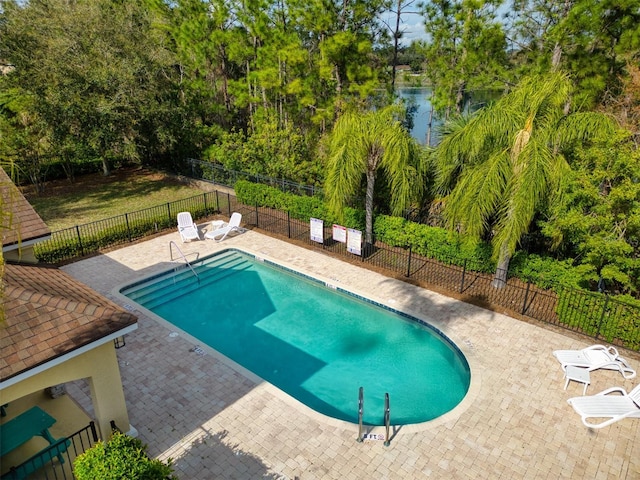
x=396 y=38
x=106 y=170
x=429 y=127
x=500 y=278
x=371 y=181
x=557 y=48
x=462 y=87
x=556 y=57
x=225 y=80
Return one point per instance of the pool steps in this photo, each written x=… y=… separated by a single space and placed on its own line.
x=179 y=281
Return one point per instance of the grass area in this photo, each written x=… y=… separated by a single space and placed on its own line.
x=95 y=197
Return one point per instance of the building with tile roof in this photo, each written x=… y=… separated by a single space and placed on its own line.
x=55 y=329
x=22 y=227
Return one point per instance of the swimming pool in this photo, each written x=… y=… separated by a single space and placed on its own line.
x=316 y=343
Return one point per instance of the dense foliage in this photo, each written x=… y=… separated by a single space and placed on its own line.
x=121 y=457
x=267 y=86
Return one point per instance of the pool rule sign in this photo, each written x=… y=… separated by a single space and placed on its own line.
x=354 y=241
x=317 y=230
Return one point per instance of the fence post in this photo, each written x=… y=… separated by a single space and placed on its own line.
x=94 y=432
x=228 y=204
x=288 y=224
x=526 y=297
x=217 y=202
x=604 y=312
x=126 y=218
x=257 y=222
x=80 y=241
x=204 y=201
x=169 y=212
x=464 y=271
x=408 y=274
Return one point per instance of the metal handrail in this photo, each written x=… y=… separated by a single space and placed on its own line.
x=387 y=419
x=183 y=256
x=360 y=413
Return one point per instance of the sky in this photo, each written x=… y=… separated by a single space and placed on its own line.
x=411 y=25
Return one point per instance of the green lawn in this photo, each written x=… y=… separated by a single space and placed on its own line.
x=94 y=197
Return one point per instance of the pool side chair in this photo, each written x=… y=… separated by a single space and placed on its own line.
x=187 y=227
x=604 y=405
x=221 y=233
x=595 y=357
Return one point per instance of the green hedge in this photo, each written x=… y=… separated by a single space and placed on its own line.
x=299 y=207
x=614 y=318
x=119 y=458
x=434 y=242
x=65 y=244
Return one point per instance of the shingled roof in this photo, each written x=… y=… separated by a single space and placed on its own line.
x=49 y=314
x=20 y=222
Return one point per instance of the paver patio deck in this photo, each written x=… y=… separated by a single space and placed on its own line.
x=216 y=422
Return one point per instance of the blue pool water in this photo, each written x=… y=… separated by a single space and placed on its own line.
x=317 y=344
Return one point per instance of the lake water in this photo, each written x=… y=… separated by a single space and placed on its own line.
x=419 y=96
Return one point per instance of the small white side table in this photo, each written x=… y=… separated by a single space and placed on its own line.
x=577 y=374
x=216 y=224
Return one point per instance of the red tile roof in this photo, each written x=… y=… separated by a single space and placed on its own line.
x=49 y=314
x=20 y=222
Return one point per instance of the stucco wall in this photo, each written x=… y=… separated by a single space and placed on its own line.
x=100 y=366
x=24 y=255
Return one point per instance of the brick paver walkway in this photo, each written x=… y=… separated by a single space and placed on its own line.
x=216 y=421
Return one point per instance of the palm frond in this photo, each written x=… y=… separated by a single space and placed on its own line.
x=525 y=192
x=477 y=195
x=582 y=127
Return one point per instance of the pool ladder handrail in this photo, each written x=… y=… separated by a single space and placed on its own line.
x=387 y=419
x=360 y=413
x=183 y=256
x=387 y=416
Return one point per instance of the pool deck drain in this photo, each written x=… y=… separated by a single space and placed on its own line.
x=215 y=422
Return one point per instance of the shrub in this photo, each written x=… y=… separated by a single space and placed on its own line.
x=546 y=272
x=433 y=242
x=121 y=457
x=299 y=207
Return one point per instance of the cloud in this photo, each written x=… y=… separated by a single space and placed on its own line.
x=412 y=30
x=411 y=26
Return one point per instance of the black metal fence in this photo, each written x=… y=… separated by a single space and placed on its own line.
x=221 y=175
x=56 y=461
x=593 y=314
x=90 y=238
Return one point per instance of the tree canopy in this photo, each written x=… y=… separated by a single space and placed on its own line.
x=270 y=86
x=498 y=167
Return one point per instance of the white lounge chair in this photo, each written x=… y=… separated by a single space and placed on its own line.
x=595 y=358
x=603 y=405
x=187 y=227
x=221 y=233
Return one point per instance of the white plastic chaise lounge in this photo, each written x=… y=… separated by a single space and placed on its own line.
x=221 y=233
x=187 y=227
x=595 y=357
x=604 y=405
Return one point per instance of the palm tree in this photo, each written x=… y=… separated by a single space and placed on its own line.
x=498 y=167
x=364 y=143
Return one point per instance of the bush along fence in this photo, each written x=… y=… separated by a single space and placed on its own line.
x=90 y=238
x=461 y=269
